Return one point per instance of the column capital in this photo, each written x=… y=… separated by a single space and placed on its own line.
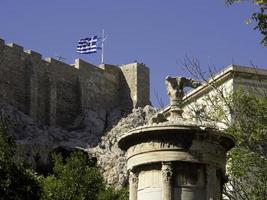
x=167 y=171
x=133 y=176
x=133 y=185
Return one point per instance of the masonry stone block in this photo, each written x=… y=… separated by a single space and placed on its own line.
x=53 y=92
x=16 y=47
x=34 y=54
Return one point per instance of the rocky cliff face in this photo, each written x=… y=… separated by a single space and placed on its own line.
x=110 y=158
x=95 y=132
x=36 y=142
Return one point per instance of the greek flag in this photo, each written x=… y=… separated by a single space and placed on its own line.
x=87 y=45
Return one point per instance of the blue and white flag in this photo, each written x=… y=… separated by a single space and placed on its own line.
x=87 y=45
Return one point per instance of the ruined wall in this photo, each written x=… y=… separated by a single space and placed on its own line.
x=55 y=93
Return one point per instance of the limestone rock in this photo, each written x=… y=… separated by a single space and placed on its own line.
x=110 y=158
x=35 y=143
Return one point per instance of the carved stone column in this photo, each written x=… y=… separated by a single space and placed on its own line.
x=167 y=173
x=133 y=185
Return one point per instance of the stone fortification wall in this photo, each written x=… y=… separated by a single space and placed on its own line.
x=136 y=78
x=54 y=93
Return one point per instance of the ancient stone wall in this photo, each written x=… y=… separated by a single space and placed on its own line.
x=54 y=93
x=143 y=87
x=137 y=79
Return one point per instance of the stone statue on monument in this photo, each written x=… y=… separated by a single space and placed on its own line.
x=175 y=88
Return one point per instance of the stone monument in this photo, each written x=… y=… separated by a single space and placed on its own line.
x=172 y=158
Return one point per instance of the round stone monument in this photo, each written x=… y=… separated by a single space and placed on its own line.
x=172 y=158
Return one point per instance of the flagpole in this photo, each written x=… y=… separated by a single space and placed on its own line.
x=103 y=38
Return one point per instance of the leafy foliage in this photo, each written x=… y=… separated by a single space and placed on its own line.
x=250 y=127
x=247 y=164
x=248 y=175
x=259 y=17
x=261 y=20
x=17 y=181
x=113 y=194
x=77 y=178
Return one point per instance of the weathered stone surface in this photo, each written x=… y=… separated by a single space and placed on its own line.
x=36 y=142
x=192 y=158
x=110 y=158
x=52 y=92
x=47 y=104
x=39 y=141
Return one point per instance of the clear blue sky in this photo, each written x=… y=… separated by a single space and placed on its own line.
x=155 y=32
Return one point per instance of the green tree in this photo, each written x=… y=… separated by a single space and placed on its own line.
x=75 y=179
x=259 y=17
x=247 y=164
x=113 y=194
x=17 y=181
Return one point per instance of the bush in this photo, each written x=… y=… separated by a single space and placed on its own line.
x=74 y=179
x=17 y=180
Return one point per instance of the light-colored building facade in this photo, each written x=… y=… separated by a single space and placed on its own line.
x=209 y=101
